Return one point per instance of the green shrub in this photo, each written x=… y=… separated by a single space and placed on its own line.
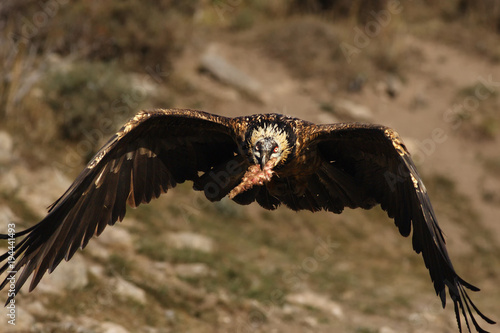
x=90 y=97
x=136 y=34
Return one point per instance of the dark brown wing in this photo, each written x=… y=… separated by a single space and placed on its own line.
x=153 y=152
x=363 y=165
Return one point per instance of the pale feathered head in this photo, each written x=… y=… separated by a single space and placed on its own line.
x=268 y=142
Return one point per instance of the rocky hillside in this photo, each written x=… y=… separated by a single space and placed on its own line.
x=183 y=264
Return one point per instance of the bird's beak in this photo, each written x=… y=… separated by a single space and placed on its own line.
x=264 y=159
x=266 y=150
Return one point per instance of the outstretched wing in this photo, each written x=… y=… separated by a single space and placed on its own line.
x=363 y=165
x=153 y=152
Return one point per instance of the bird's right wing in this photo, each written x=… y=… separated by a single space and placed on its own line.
x=151 y=153
x=364 y=164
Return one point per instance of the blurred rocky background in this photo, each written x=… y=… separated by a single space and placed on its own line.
x=72 y=72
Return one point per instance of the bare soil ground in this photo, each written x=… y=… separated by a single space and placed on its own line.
x=266 y=272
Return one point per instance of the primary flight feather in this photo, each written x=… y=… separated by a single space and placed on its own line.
x=269 y=158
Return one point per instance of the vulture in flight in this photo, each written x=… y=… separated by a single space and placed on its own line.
x=269 y=158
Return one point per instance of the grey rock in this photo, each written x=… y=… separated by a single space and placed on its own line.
x=41 y=187
x=79 y=325
x=98 y=250
x=190 y=240
x=394 y=85
x=192 y=270
x=170 y=315
x=310 y=321
x=72 y=275
x=229 y=74
x=117 y=236
x=320 y=302
x=109 y=327
x=357 y=83
x=9 y=182
x=419 y=102
x=97 y=270
x=24 y=321
x=348 y=110
x=6 y=148
x=125 y=289
x=6 y=216
x=36 y=308
x=386 y=329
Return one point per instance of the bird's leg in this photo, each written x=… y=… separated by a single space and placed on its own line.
x=254 y=176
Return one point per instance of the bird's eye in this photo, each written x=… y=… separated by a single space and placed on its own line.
x=275 y=150
x=257 y=148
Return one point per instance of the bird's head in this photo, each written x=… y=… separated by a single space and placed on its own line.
x=268 y=143
x=264 y=150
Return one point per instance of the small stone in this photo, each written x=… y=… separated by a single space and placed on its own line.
x=192 y=270
x=289 y=309
x=393 y=86
x=171 y=316
x=9 y=182
x=357 y=83
x=117 y=236
x=97 y=249
x=386 y=329
x=36 y=308
x=109 y=327
x=72 y=275
x=190 y=240
x=41 y=187
x=419 y=102
x=6 y=148
x=97 y=270
x=23 y=322
x=225 y=319
x=348 y=110
x=128 y=290
x=311 y=321
x=6 y=217
x=227 y=73
x=309 y=298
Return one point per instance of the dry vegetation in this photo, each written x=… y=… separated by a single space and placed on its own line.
x=67 y=83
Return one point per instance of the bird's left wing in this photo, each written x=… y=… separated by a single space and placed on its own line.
x=362 y=165
x=151 y=153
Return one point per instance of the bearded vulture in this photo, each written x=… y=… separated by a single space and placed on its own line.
x=269 y=158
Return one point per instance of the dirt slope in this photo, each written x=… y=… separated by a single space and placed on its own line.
x=370 y=281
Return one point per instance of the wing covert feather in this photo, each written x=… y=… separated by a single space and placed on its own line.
x=377 y=159
x=150 y=154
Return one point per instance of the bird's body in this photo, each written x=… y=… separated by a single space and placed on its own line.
x=271 y=159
